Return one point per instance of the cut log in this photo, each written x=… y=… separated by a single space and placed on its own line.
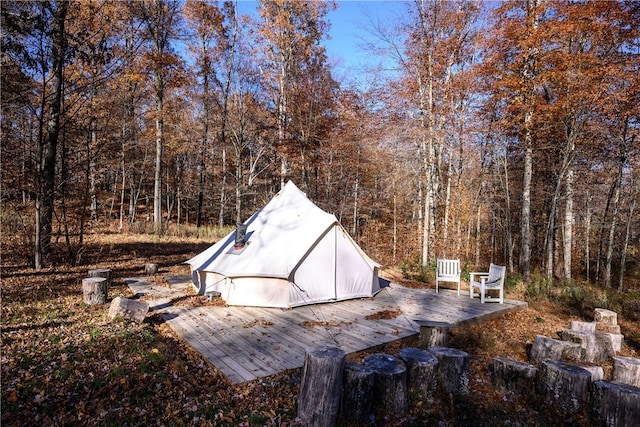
x=389 y=385
x=357 y=395
x=549 y=348
x=614 y=340
x=321 y=386
x=94 y=290
x=453 y=370
x=626 y=370
x=150 y=268
x=603 y=315
x=422 y=368
x=101 y=272
x=614 y=404
x=589 y=327
x=605 y=327
x=513 y=376
x=597 y=372
x=586 y=340
x=128 y=309
x=563 y=386
x=434 y=334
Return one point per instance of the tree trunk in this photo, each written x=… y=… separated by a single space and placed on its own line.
x=567 y=235
x=528 y=73
x=623 y=258
x=612 y=229
x=47 y=166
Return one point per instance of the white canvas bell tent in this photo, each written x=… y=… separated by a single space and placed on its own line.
x=293 y=253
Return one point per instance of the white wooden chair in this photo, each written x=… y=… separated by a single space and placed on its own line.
x=490 y=281
x=448 y=270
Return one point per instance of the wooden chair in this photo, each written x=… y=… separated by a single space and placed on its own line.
x=448 y=270
x=490 y=281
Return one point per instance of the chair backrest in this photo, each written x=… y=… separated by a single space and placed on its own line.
x=448 y=267
x=496 y=272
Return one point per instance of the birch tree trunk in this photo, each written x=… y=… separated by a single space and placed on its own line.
x=528 y=74
x=567 y=235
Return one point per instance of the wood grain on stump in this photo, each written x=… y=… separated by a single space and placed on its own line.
x=389 y=385
x=422 y=368
x=94 y=290
x=357 y=395
x=321 y=386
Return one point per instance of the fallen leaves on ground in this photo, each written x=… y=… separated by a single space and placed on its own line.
x=65 y=363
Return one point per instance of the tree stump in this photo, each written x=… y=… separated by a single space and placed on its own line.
x=588 y=327
x=602 y=315
x=606 y=339
x=321 y=386
x=150 y=268
x=513 y=376
x=422 y=368
x=614 y=404
x=357 y=395
x=94 y=290
x=626 y=370
x=605 y=327
x=434 y=334
x=101 y=272
x=549 y=348
x=563 y=386
x=597 y=372
x=453 y=370
x=389 y=385
x=128 y=308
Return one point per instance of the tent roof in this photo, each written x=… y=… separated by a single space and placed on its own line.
x=278 y=237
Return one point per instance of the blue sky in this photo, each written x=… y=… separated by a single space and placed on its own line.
x=348 y=32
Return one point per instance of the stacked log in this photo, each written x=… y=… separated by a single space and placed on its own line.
x=545 y=348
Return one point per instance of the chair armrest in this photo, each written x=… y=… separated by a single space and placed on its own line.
x=479 y=274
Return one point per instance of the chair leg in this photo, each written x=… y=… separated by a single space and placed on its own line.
x=482 y=295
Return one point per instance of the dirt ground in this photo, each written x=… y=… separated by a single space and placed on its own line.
x=65 y=363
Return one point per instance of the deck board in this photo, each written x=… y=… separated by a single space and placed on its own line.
x=247 y=343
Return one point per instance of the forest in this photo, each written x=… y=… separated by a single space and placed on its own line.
x=501 y=132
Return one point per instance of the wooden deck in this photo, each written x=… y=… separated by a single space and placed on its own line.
x=246 y=343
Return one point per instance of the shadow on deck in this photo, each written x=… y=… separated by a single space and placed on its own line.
x=246 y=343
